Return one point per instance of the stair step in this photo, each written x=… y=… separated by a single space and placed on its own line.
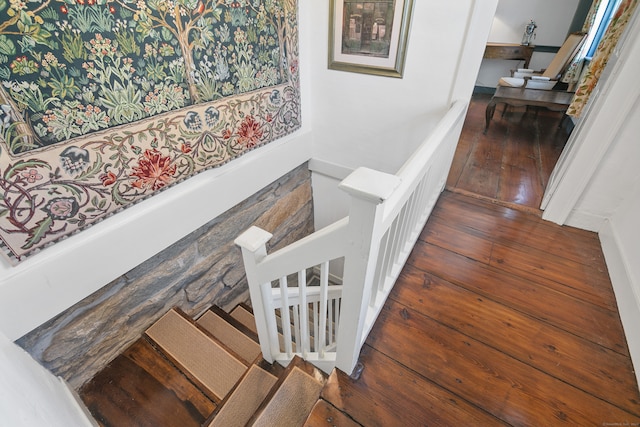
x=293 y=397
x=245 y=399
x=142 y=388
x=204 y=360
x=230 y=336
x=244 y=316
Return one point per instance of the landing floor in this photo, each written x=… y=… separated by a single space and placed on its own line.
x=499 y=318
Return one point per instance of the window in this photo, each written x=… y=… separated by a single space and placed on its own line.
x=605 y=13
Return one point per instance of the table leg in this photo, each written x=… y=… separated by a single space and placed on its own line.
x=491 y=108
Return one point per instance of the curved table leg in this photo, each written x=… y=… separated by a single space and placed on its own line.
x=491 y=108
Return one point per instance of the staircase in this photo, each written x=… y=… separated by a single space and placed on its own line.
x=204 y=372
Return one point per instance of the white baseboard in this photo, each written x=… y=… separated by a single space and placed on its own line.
x=584 y=221
x=625 y=291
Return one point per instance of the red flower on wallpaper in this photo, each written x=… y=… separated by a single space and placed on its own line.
x=185 y=148
x=108 y=178
x=154 y=170
x=249 y=133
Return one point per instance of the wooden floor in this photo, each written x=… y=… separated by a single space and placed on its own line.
x=512 y=162
x=499 y=318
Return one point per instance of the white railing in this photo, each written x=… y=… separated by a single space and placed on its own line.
x=292 y=285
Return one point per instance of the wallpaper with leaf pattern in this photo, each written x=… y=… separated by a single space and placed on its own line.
x=103 y=103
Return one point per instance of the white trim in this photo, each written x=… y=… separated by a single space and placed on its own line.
x=604 y=116
x=586 y=221
x=479 y=21
x=628 y=300
x=329 y=169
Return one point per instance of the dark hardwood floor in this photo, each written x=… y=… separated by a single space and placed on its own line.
x=512 y=162
x=499 y=318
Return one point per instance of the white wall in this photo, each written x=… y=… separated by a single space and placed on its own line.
x=377 y=122
x=614 y=180
x=59 y=276
x=31 y=396
x=553 y=19
x=620 y=237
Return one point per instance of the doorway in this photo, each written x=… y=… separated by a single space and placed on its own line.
x=512 y=163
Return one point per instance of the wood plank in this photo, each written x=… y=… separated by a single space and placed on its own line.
x=469 y=243
x=124 y=394
x=503 y=225
x=551 y=141
x=588 y=366
x=325 y=414
x=390 y=394
x=471 y=131
x=520 y=180
x=463 y=149
x=509 y=389
x=474 y=205
x=584 y=319
x=580 y=280
x=482 y=168
x=586 y=281
x=149 y=359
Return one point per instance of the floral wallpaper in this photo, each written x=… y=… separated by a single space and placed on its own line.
x=104 y=102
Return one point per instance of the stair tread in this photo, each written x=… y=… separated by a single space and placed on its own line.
x=292 y=402
x=245 y=399
x=245 y=317
x=241 y=344
x=206 y=361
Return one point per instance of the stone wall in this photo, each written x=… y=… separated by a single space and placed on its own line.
x=202 y=269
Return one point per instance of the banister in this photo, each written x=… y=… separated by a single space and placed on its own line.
x=370 y=185
x=386 y=214
x=322 y=245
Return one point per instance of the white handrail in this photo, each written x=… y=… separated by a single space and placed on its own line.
x=386 y=214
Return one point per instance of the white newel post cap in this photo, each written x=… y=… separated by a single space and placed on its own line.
x=369 y=184
x=253 y=239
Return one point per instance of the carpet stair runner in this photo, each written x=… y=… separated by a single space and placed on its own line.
x=207 y=372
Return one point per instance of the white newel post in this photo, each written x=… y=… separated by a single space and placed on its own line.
x=368 y=189
x=254 y=249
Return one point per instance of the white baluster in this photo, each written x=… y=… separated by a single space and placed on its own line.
x=304 y=313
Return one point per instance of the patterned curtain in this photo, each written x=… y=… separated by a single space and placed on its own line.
x=572 y=75
x=601 y=57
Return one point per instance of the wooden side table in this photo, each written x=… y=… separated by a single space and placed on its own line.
x=554 y=100
x=509 y=51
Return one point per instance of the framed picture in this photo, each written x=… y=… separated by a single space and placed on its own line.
x=369 y=36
